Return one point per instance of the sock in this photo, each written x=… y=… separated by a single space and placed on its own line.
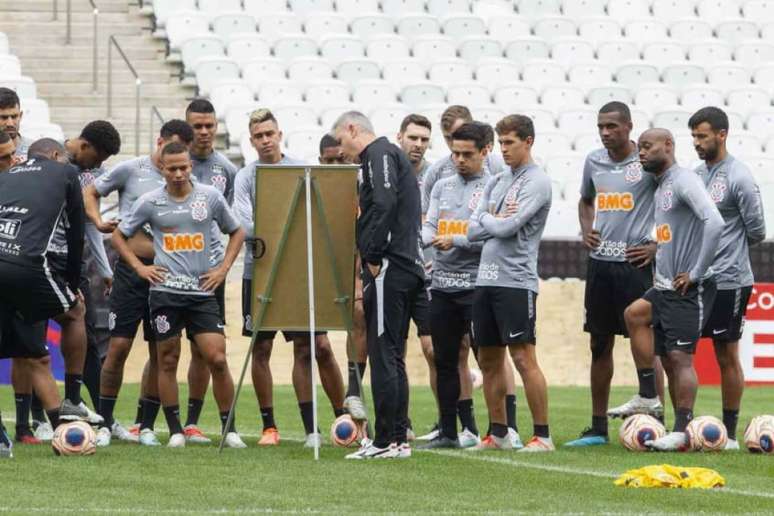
x=140 y=410
x=599 y=424
x=510 y=411
x=106 y=406
x=467 y=417
x=267 y=415
x=540 y=431
x=194 y=410
x=53 y=417
x=730 y=419
x=172 y=413
x=151 y=407
x=224 y=420
x=683 y=416
x=647 y=379
x=499 y=430
x=306 y=416
x=353 y=387
x=23 y=404
x=73 y=387
x=339 y=412
x=38 y=414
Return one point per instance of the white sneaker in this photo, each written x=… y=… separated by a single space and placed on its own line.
x=92 y=417
x=148 y=438
x=194 y=435
x=410 y=435
x=176 y=441
x=372 y=452
x=638 y=405
x=732 y=444
x=515 y=439
x=103 y=437
x=313 y=440
x=122 y=434
x=432 y=434
x=538 y=444
x=404 y=451
x=44 y=432
x=234 y=441
x=673 y=441
x=354 y=405
x=468 y=439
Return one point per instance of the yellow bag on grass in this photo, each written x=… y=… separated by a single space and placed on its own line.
x=667 y=475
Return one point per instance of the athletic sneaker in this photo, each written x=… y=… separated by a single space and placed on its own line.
x=270 y=437
x=27 y=438
x=70 y=412
x=93 y=418
x=176 y=441
x=468 y=439
x=589 y=437
x=122 y=434
x=404 y=450
x=134 y=430
x=354 y=405
x=313 y=440
x=148 y=438
x=673 y=441
x=491 y=442
x=441 y=442
x=234 y=441
x=410 y=435
x=6 y=446
x=638 y=405
x=516 y=443
x=538 y=444
x=43 y=430
x=432 y=434
x=103 y=436
x=732 y=444
x=372 y=452
x=194 y=435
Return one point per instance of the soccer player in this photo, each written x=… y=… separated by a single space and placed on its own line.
x=510 y=219
x=128 y=300
x=210 y=167
x=330 y=151
x=673 y=312
x=455 y=265
x=388 y=238
x=734 y=191
x=180 y=216
x=10 y=121
x=266 y=137
x=616 y=219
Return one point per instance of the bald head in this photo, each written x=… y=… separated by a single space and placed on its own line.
x=47 y=148
x=657 y=150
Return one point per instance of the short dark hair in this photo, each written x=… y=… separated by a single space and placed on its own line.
x=8 y=98
x=617 y=107
x=179 y=128
x=488 y=131
x=102 y=136
x=715 y=117
x=416 y=119
x=453 y=113
x=44 y=147
x=471 y=131
x=200 y=106
x=521 y=125
x=327 y=141
x=174 y=148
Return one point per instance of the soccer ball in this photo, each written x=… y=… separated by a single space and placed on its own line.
x=344 y=431
x=638 y=429
x=706 y=433
x=76 y=438
x=759 y=435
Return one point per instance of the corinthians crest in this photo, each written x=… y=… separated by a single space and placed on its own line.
x=717 y=191
x=219 y=182
x=199 y=210
x=666 y=200
x=633 y=173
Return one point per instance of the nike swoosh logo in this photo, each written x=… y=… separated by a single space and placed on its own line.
x=221 y=326
x=645 y=375
x=716 y=332
x=162 y=213
x=514 y=335
x=365 y=287
x=680 y=343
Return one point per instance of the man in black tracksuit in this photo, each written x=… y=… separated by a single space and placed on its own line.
x=388 y=238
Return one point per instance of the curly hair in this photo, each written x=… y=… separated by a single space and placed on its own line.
x=102 y=136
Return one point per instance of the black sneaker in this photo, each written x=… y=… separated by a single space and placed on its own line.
x=440 y=442
x=589 y=437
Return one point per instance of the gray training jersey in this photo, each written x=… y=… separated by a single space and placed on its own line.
x=131 y=179
x=216 y=170
x=452 y=202
x=23 y=147
x=244 y=206
x=688 y=228
x=623 y=199
x=444 y=167
x=181 y=233
x=736 y=195
x=510 y=253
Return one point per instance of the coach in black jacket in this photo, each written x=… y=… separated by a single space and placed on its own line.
x=388 y=233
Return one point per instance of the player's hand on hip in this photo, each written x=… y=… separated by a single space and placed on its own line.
x=213 y=278
x=443 y=243
x=592 y=239
x=682 y=283
x=641 y=255
x=374 y=269
x=152 y=273
x=107 y=226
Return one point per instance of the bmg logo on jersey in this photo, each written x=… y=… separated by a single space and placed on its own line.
x=183 y=242
x=9 y=228
x=615 y=201
x=663 y=233
x=452 y=227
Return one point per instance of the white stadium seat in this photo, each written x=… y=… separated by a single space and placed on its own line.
x=371 y=94
x=36 y=112
x=255 y=71
x=651 y=97
x=357 y=6
x=468 y=94
x=684 y=150
x=413 y=25
x=761 y=167
x=690 y=29
x=585 y=142
x=304 y=7
x=523 y=49
x=747 y=100
x=244 y=47
x=329 y=114
x=421 y=94
x=562 y=221
x=386 y=119
x=37 y=131
x=549 y=144
x=218 y=6
x=289 y=47
x=442 y=7
x=539 y=8
x=229 y=25
x=163 y=9
x=645 y=30
x=626 y=10
x=759 y=11
x=401 y=71
x=324 y=24
x=565 y=166
x=736 y=31
x=237 y=119
x=355 y=70
x=542 y=72
x=275 y=25
x=515 y=96
x=475 y=48
x=194 y=49
x=211 y=70
x=709 y=51
x=4 y=47
x=590 y=74
x=696 y=97
x=185 y=25
x=326 y=93
x=458 y=25
x=596 y=30
x=764 y=76
x=673 y=10
x=494 y=72
x=754 y=53
x=306 y=70
x=728 y=75
x=682 y=74
x=231 y=93
x=370 y=25
x=280 y=92
x=718 y=10
x=579 y=8
x=493 y=8
x=450 y=71
x=304 y=143
x=400 y=7
x=506 y=28
x=664 y=52
x=542 y=118
x=556 y=27
x=261 y=7
x=572 y=50
x=338 y=48
x=599 y=95
x=386 y=46
x=674 y=118
x=560 y=98
x=488 y=113
x=295 y=117
x=9 y=66
x=634 y=73
x=761 y=123
x=577 y=121
x=615 y=51
x=744 y=144
x=431 y=48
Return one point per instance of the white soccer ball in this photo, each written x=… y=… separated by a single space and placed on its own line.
x=76 y=438
x=476 y=377
x=636 y=430
x=706 y=433
x=759 y=434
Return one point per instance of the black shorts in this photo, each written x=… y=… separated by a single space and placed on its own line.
x=503 y=316
x=420 y=313
x=173 y=312
x=247 y=318
x=726 y=320
x=34 y=291
x=451 y=314
x=21 y=339
x=678 y=320
x=128 y=303
x=610 y=288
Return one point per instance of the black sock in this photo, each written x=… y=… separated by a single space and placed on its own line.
x=499 y=430
x=647 y=379
x=467 y=416
x=540 y=430
x=306 y=416
x=53 y=417
x=23 y=405
x=730 y=419
x=194 y=410
x=73 y=387
x=224 y=420
x=510 y=411
x=140 y=410
x=38 y=414
x=106 y=406
x=339 y=412
x=267 y=415
x=683 y=416
x=599 y=424
x=172 y=413
x=151 y=407
x=353 y=386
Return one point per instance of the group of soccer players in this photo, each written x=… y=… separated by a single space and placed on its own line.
x=452 y=245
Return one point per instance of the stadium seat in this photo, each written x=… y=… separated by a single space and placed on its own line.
x=402 y=71
x=709 y=51
x=385 y=46
x=442 y=7
x=289 y=47
x=237 y=119
x=539 y=8
x=587 y=142
x=280 y=93
x=754 y=53
x=458 y=25
x=542 y=72
x=685 y=154
x=764 y=76
x=329 y=114
x=275 y=25
x=260 y=7
x=357 y=6
x=526 y=48
x=663 y=52
x=249 y=153
x=432 y=48
x=326 y=93
x=162 y=10
x=577 y=121
x=759 y=11
x=487 y=113
x=673 y=10
x=565 y=167
x=226 y=94
x=305 y=7
x=468 y=94
x=597 y=30
x=736 y=31
x=640 y=121
x=307 y=70
x=761 y=123
x=561 y=98
x=743 y=144
x=690 y=30
x=674 y=118
x=450 y=71
x=494 y=72
x=36 y=112
x=401 y=7
x=475 y=48
x=616 y=51
x=493 y=8
x=728 y=75
x=761 y=167
x=413 y=25
x=682 y=74
x=230 y=25
x=194 y=49
x=303 y=143
x=542 y=118
x=355 y=70
x=9 y=66
x=600 y=95
x=211 y=70
x=571 y=50
x=4 y=47
x=695 y=97
x=244 y=47
x=552 y=28
x=632 y=74
x=338 y=48
x=370 y=25
x=718 y=10
x=746 y=100
x=549 y=144
x=215 y=7
x=627 y=10
x=645 y=30
x=186 y=25
x=507 y=28
x=420 y=94
x=514 y=96
x=255 y=72
x=324 y=24
x=370 y=94
x=578 y=8
x=37 y=131
x=295 y=117
x=562 y=222
x=651 y=97
x=586 y=75
x=386 y=119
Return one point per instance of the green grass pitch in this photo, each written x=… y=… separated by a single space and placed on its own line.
x=128 y=479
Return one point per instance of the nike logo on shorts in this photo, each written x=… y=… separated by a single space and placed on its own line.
x=718 y=332
x=221 y=326
x=514 y=335
x=681 y=343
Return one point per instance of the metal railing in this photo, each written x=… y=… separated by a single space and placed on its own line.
x=112 y=42
x=154 y=113
x=68 y=35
